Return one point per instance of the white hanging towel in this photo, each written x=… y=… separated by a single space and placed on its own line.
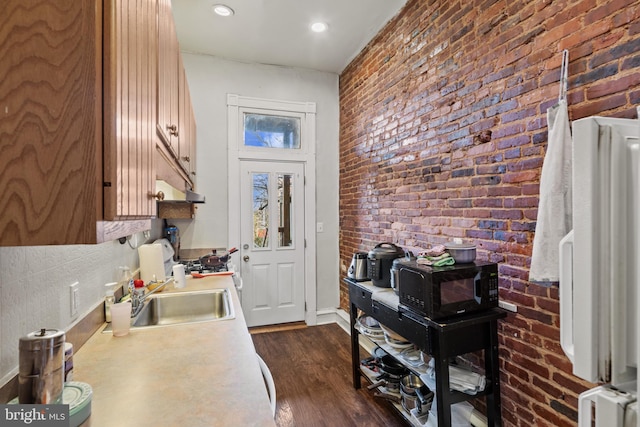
x=554 y=208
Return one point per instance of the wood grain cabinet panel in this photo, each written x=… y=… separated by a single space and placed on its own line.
x=61 y=140
x=168 y=56
x=176 y=128
x=187 y=140
x=130 y=74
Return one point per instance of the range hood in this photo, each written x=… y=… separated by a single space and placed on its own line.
x=172 y=194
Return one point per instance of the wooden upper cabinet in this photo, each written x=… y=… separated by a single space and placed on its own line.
x=176 y=129
x=168 y=79
x=52 y=115
x=186 y=142
x=130 y=73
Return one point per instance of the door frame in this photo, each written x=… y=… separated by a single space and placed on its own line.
x=306 y=154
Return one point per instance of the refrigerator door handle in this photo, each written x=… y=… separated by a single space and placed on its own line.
x=566 y=295
x=610 y=407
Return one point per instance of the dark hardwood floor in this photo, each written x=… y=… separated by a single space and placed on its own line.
x=311 y=368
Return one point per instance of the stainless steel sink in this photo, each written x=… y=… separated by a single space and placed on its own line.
x=184 y=307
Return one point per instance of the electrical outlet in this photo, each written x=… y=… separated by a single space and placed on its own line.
x=508 y=306
x=74 y=292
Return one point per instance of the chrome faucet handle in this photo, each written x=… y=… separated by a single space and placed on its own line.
x=137 y=301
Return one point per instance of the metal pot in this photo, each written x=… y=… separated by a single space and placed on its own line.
x=379 y=263
x=391 y=371
x=415 y=394
x=462 y=253
x=41 y=368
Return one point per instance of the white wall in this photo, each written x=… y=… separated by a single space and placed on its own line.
x=210 y=80
x=34 y=288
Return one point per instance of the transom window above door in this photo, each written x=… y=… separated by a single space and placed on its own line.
x=271 y=131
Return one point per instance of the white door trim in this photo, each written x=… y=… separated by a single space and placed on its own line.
x=236 y=153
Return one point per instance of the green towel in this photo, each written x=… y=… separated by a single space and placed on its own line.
x=437 y=261
x=444 y=261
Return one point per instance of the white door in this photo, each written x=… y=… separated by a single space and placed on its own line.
x=272 y=241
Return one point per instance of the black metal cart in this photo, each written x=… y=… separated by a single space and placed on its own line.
x=441 y=340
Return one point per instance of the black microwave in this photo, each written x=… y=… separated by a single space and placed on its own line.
x=441 y=292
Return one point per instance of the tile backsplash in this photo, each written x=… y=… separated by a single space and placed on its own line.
x=34 y=288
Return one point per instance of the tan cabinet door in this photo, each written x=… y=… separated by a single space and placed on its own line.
x=168 y=80
x=130 y=66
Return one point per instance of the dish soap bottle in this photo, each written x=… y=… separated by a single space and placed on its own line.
x=109 y=300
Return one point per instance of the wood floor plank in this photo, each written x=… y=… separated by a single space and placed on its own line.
x=311 y=368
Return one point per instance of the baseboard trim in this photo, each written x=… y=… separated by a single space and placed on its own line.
x=326 y=316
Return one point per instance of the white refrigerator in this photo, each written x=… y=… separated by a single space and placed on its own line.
x=600 y=270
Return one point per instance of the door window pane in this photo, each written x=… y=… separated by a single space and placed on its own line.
x=260 y=210
x=285 y=211
x=261 y=130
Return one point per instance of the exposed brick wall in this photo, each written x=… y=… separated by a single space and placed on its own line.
x=416 y=108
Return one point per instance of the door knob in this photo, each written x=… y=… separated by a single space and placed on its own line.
x=245 y=258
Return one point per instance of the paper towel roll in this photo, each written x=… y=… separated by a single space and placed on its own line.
x=151 y=263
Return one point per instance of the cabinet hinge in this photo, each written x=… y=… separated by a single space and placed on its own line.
x=106 y=184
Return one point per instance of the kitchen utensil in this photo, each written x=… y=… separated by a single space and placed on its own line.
x=358 y=268
x=41 y=367
x=217 y=273
x=369 y=327
x=78 y=396
x=461 y=252
x=388 y=396
x=216 y=260
x=379 y=263
x=389 y=365
x=415 y=394
x=393 y=335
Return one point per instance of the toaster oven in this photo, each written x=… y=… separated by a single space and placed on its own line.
x=441 y=292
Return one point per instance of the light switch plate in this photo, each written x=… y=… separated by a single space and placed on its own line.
x=74 y=292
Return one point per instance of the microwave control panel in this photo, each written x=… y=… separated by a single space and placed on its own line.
x=493 y=287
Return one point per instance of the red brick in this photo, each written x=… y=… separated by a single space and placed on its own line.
x=413 y=169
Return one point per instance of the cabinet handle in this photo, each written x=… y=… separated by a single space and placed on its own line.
x=159 y=195
x=186 y=158
x=173 y=130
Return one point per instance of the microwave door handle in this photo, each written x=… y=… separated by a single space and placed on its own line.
x=477 y=288
x=566 y=295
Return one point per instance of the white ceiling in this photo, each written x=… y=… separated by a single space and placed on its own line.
x=277 y=31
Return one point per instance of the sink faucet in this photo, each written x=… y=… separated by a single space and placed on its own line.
x=137 y=301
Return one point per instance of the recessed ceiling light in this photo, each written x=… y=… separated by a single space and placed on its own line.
x=319 y=27
x=222 y=10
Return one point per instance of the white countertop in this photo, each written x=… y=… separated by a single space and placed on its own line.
x=189 y=375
